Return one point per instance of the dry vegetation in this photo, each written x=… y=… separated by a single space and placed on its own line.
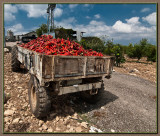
x=143 y=69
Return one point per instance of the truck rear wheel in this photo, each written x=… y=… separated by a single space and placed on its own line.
x=15 y=63
x=92 y=98
x=39 y=98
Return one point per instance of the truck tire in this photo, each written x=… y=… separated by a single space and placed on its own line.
x=39 y=98
x=85 y=95
x=15 y=63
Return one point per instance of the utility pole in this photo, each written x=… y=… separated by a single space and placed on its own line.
x=50 y=21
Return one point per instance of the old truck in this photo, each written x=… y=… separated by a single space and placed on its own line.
x=52 y=75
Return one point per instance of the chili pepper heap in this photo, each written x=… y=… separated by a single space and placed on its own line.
x=49 y=46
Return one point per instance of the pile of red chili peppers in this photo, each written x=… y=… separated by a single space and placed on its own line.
x=49 y=46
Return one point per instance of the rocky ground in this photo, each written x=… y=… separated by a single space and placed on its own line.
x=143 y=69
x=71 y=114
x=18 y=117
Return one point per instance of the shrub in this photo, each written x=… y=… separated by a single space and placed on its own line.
x=151 y=53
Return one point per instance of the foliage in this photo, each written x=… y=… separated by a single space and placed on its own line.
x=116 y=50
x=143 y=43
x=130 y=51
x=109 y=47
x=118 y=53
x=93 y=43
x=142 y=49
x=138 y=52
x=125 y=49
x=151 y=53
x=64 y=33
x=42 y=29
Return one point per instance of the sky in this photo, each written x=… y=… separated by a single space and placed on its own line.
x=122 y=23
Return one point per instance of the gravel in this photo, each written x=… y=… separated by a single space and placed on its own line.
x=128 y=104
x=17 y=114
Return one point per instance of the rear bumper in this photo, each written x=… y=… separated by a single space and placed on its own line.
x=78 y=88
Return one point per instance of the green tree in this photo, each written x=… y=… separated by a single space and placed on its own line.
x=109 y=47
x=143 y=43
x=138 y=53
x=119 y=54
x=64 y=33
x=125 y=48
x=94 y=43
x=151 y=53
x=130 y=51
x=42 y=29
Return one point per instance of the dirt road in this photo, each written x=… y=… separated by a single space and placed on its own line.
x=128 y=104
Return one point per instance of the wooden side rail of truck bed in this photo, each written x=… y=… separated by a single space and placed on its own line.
x=55 y=68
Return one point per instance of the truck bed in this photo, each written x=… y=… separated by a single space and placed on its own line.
x=55 y=68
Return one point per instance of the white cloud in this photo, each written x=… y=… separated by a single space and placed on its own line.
x=120 y=31
x=151 y=18
x=97 y=16
x=133 y=28
x=34 y=10
x=70 y=20
x=66 y=23
x=17 y=29
x=145 y=10
x=93 y=22
x=38 y=10
x=9 y=11
x=130 y=30
x=133 y=20
x=73 y=5
x=58 y=12
x=119 y=26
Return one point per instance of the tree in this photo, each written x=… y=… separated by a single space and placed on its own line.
x=109 y=47
x=116 y=50
x=64 y=33
x=143 y=43
x=42 y=29
x=143 y=49
x=94 y=43
x=130 y=51
x=138 y=51
x=151 y=53
x=118 y=53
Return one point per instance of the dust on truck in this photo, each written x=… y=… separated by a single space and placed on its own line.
x=52 y=75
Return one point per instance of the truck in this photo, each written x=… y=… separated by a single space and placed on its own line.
x=53 y=75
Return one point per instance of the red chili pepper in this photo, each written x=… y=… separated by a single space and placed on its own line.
x=49 y=46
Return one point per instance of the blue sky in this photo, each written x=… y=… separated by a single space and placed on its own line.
x=124 y=23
